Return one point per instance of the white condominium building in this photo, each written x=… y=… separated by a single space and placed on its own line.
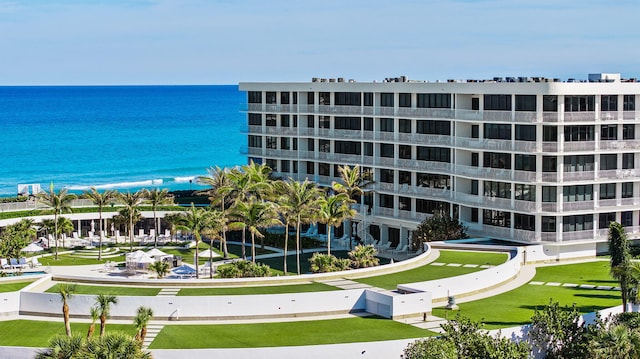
x=530 y=160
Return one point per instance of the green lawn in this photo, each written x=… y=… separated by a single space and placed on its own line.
x=267 y=289
x=316 y=332
x=32 y=333
x=74 y=260
x=517 y=306
x=431 y=272
x=14 y=286
x=98 y=289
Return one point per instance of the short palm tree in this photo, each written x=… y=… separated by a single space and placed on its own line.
x=364 y=256
x=103 y=303
x=196 y=221
x=101 y=200
x=253 y=216
x=60 y=202
x=114 y=345
x=66 y=291
x=94 y=312
x=142 y=318
x=131 y=202
x=62 y=346
x=333 y=211
x=156 y=198
x=354 y=183
x=161 y=268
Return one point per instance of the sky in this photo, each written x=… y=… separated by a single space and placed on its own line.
x=91 y=42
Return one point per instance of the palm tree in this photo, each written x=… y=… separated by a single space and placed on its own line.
x=218 y=223
x=161 y=268
x=364 y=256
x=100 y=200
x=156 y=198
x=131 y=202
x=333 y=211
x=285 y=213
x=253 y=216
x=94 y=312
x=195 y=221
x=620 y=258
x=60 y=202
x=103 y=303
x=114 y=345
x=221 y=187
x=142 y=318
x=173 y=219
x=354 y=185
x=62 y=346
x=66 y=291
x=300 y=200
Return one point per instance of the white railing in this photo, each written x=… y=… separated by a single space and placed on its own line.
x=424 y=139
x=578 y=176
x=550 y=117
x=579 y=116
x=383 y=186
x=386 y=212
x=578 y=206
x=629 y=115
x=384 y=136
x=577 y=235
x=549 y=207
x=525 y=176
x=428 y=191
x=579 y=146
x=549 y=146
x=483 y=172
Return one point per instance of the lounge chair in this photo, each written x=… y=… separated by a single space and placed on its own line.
x=399 y=249
x=4 y=264
x=17 y=265
x=35 y=262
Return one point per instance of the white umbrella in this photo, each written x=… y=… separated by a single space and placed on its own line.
x=206 y=254
x=32 y=248
x=155 y=252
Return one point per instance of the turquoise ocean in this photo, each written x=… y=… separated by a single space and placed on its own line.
x=117 y=137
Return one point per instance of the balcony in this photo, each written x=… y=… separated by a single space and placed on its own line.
x=419 y=165
x=578 y=206
x=579 y=146
x=483 y=172
x=619 y=174
x=630 y=115
x=578 y=235
x=587 y=116
x=423 y=139
x=578 y=176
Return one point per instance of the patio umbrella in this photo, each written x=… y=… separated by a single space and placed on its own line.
x=206 y=254
x=32 y=248
x=184 y=269
x=155 y=252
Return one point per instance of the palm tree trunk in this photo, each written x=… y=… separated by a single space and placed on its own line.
x=253 y=248
x=286 y=242
x=143 y=333
x=329 y=240
x=103 y=324
x=225 y=250
x=298 y=245
x=100 y=229
x=197 y=236
x=55 y=235
x=155 y=229
x=92 y=328
x=65 y=314
x=130 y=233
x=211 y=259
x=244 y=240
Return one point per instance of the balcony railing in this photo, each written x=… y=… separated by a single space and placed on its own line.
x=578 y=176
x=578 y=235
x=578 y=206
x=586 y=116
x=580 y=146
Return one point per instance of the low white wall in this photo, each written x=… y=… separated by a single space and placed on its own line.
x=468 y=283
x=554 y=252
x=9 y=303
x=18 y=352
x=395 y=305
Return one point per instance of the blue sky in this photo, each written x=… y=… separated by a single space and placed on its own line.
x=48 y=42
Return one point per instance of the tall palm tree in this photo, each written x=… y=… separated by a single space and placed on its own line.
x=173 y=219
x=103 y=303
x=60 y=202
x=66 y=291
x=620 y=258
x=156 y=198
x=301 y=200
x=142 y=318
x=221 y=187
x=196 y=221
x=253 y=216
x=131 y=202
x=94 y=312
x=333 y=211
x=101 y=200
x=354 y=183
x=286 y=215
x=218 y=224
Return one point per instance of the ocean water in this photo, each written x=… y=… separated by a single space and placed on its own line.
x=120 y=137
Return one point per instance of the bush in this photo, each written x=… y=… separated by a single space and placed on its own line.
x=244 y=269
x=325 y=263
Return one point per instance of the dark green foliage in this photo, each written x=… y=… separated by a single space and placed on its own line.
x=244 y=269
x=629 y=319
x=620 y=259
x=14 y=237
x=111 y=345
x=324 y=263
x=439 y=227
x=276 y=240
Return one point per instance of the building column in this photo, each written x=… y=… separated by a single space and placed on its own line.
x=384 y=233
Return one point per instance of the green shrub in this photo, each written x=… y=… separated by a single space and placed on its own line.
x=325 y=263
x=244 y=269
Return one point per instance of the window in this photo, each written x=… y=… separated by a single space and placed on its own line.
x=430 y=206
x=628 y=161
x=525 y=163
x=271 y=120
x=295 y=144
x=311 y=144
x=628 y=132
x=404 y=203
x=295 y=101
x=347 y=98
x=348 y=147
x=548 y=224
x=496 y=218
x=608 y=162
x=525 y=132
x=434 y=100
x=272 y=142
x=284 y=99
x=404 y=125
x=626 y=219
x=475 y=104
x=324 y=122
x=368 y=149
x=526 y=103
x=270 y=98
x=433 y=180
x=604 y=219
x=474 y=215
x=347 y=123
x=577 y=223
x=324 y=146
x=386 y=99
x=324 y=98
x=386 y=125
x=386 y=200
x=295 y=164
x=550 y=133
x=607 y=190
x=310 y=168
x=525 y=192
x=475 y=159
x=578 y=163
x=273 y=164
x=404 y=152
x=627 y=189
x=285 y=166
x=497 y=102
x=437 y=154
x=311 y=122
x=629 y=103
x=386 y=175
x=255 y=97
x=497 y=189
x=255 y=119
x=404 y=100
x=285 y=143
x=368 y=124
x=497 y=160
x=497 y=132
x=609 y=103
x=324 y=169
x=475 y=131
x=549 y=164
x=404 y=177
x=608 y=132
x=310 y=98
x=579 y=133
x=474 y=187
x=386 y=150
x=550 y=103
x=255 y=141
x=433 y=127
x=524 y=221
x=579 y=103
x=577 y=193
x=368 y=98
x=549 y=194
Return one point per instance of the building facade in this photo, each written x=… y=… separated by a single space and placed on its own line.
x=522 y=159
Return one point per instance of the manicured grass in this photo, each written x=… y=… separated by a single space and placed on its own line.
x=14 y=286
x=277 y=263
x=98 y=289
x=517 y=306
x=270 y=289
x=430 y=272
x=74 y=260
x=32 y=333
x=317 y=332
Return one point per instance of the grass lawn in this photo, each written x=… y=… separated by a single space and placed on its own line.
x=284 y=334
x=267 y=289
x=72 y=260
x=98 y=289
x=32 y=333
x=517 y=306
x=430 y=272
x=277 y=263
x=14 y=286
